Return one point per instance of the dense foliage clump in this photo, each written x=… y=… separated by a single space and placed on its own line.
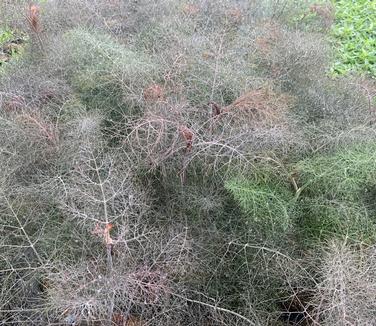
x=182 y=163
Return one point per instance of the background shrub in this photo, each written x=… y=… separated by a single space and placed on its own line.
x=355 y=33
